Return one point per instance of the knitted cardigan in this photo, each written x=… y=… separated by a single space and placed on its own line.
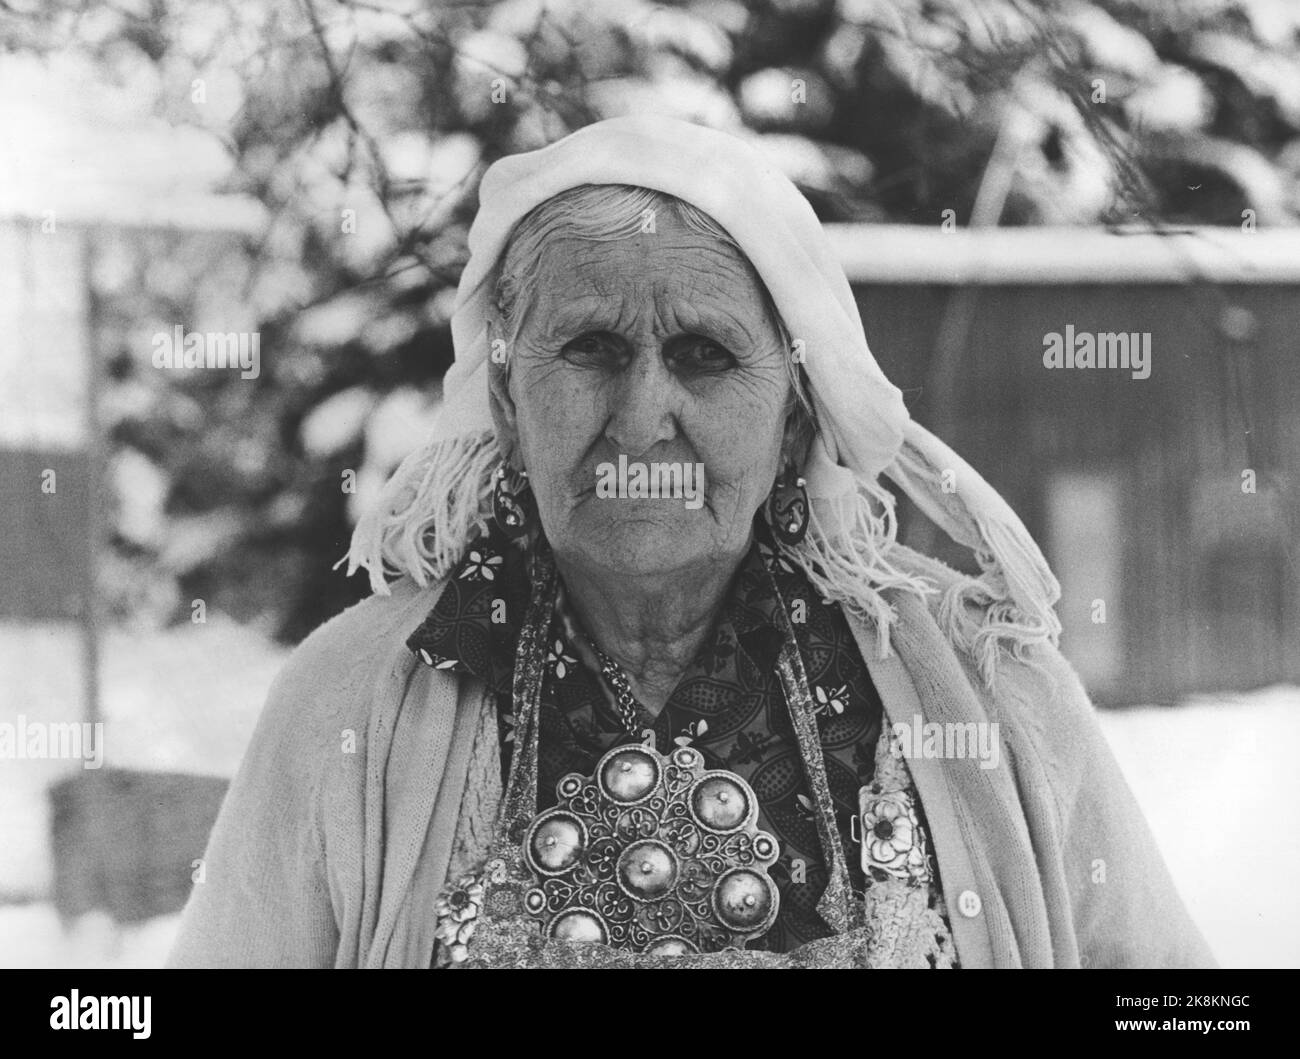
x=368 y=772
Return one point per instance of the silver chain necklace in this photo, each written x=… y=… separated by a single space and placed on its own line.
x=609 y=669
x=613 y=673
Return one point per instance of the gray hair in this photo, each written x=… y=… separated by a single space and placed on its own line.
x=605 y=213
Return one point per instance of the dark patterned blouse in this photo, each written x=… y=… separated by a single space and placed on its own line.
x=728 y=705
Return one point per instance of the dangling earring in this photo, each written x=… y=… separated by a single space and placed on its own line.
x=787 y=507
x=512 y=501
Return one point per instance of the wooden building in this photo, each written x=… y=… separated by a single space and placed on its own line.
x=1164 y=498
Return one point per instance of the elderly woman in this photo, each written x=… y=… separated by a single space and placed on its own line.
x=646 y=678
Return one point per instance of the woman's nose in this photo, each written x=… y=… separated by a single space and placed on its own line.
x=643 y=411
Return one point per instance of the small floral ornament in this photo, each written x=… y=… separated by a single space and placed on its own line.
x=774 y=559
x=749 y=747
x=481 y=565
x=833 y=701
x=457 y=909
x=437 y=662
x=892 y=840
x=693 y=731
x=559 y=660
x=806 y=809
x=603 y=858
x=714 y=656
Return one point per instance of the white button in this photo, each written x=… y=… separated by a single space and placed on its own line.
x=969 y=904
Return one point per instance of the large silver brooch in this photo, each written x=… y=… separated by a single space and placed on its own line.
x=654 y=854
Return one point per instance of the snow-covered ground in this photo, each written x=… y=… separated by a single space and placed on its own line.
x=182 y=700
x=30 y=936
x=1214 y=776
x=1222 y=795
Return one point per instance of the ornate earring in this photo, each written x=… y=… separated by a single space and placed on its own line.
x=787 y=507
x=512 y=501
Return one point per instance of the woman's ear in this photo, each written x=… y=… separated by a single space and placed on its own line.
x=501 y=404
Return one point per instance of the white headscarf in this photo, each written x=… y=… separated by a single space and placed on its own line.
x=430 y=507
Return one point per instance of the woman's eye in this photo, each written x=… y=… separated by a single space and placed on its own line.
x=594 y=347
x=694 y=353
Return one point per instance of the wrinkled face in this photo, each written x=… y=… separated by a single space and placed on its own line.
x=657 y=348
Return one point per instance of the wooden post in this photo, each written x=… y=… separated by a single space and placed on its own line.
x=95 y=448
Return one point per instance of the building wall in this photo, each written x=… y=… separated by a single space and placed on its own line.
x=1136 y=488
x=44 y=375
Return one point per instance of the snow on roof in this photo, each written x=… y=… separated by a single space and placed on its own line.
x=88 y=150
